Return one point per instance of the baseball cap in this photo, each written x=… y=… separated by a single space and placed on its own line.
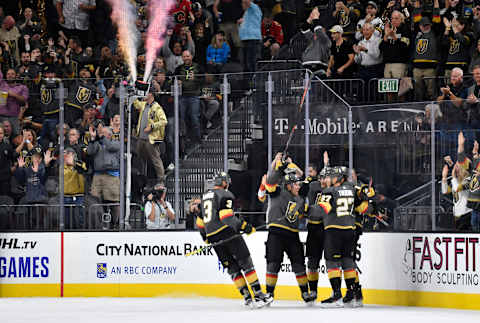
x=373 y=4
x=336 y=29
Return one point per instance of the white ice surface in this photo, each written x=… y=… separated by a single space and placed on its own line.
x=209 y=310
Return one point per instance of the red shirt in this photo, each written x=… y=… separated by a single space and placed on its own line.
x=274 y=30
x=181 y=13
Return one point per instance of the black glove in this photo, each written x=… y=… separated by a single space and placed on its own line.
x=247 y=228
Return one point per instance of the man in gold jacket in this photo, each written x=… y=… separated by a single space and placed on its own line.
x=151 y=133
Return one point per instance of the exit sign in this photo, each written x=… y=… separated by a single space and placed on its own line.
x=388 y=85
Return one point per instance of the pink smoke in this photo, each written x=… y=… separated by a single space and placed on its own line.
x=158 y=12
x=124 y=17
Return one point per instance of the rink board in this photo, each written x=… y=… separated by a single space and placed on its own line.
x=439 y=270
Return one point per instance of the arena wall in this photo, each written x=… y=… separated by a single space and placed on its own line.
x=409 y=269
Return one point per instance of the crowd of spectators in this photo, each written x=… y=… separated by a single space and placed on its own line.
x=76 y=41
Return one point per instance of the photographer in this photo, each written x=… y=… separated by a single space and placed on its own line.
x=193 y=211
x=158 y=212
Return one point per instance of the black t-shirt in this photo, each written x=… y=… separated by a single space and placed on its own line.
x=340 y=57
x=231 y=9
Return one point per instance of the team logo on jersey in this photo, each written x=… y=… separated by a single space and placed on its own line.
x=180 y=17
x=454 y=47
x=83 y=94
x=292 y=212
x=344 y=20
x=422 y=46
x=46 y=96
x=474 y=184
x=101 y=270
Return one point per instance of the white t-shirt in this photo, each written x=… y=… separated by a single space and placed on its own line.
x=161 y=218
x=460 y=197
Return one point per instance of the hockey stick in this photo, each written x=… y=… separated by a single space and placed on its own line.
x=295 y=126
x=194 y=252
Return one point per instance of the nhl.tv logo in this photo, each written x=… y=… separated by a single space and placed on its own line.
x=101 y=270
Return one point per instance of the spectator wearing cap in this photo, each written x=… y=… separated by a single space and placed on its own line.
x=272 y=35
x=73 y=16
x=151 y=133
x=458 y=40
x=250 y=32
x=227 y=13
x=395 y=46
x=9 y=36
x=12 y=96
x=203 y=17
x=368 y=55
x=426 y=53
x=218 y=53
x=342 y=57
x=370 y=17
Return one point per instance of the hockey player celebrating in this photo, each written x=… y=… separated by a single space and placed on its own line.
x=218 y=223
x=338 y=203
x=286 y=208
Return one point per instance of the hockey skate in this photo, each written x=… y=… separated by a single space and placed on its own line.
x=335 y=301
x=262 y=300
x=309 y=298
x=249 y=302
x=358 y=302
x=349 y=299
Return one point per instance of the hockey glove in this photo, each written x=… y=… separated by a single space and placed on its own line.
x=247 y=228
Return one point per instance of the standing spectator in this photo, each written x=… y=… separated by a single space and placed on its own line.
x=151 y=133
x=106 y=166
x=9 y=36
x=49 y=104
x=192 y=211
x=6 y=163
x=12 y=96
x=227 y=13
x=341 y=64
x=81 y=93
x=158 y=212
x=371 y=17
x=218 y=53
x=317 y=55
x=426 y=53
x=250 y=32
x=203 y=17
x=458 y=40
x=272 y=35
x=475 y=56
x=74 y=57
x=73 y=16
x=347 y=15
x=202 y=39
x=173 y=57
x=74 y=189
x=34 y=177
x=472 y=105
x=190 y=75
x=368 y=55
x=451 y=98
x=395 y=47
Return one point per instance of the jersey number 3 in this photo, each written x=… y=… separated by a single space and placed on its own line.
x=208 y=208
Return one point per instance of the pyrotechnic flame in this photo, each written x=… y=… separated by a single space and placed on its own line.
x=124 y=17
x=158 y=11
